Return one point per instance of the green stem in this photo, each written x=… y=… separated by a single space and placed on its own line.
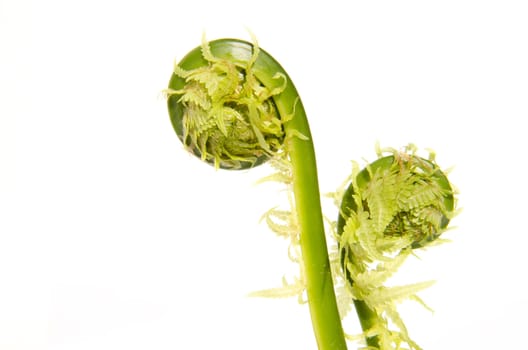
x=319 y=283
x=367 y=319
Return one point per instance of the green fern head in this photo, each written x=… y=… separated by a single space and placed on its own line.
x=400 y=200
x=219 y=109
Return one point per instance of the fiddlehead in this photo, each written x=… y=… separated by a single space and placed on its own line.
x=398 y=203
x=234 y=106
x=221 y=112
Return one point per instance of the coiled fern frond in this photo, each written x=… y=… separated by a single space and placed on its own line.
x=398 y=203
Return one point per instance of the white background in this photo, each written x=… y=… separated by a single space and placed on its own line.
x=111 y=237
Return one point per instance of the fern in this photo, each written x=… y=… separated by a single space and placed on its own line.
x=229 y=118
x=396 y=204
x=233 y=106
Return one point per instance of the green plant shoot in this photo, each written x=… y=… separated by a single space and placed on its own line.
x=233 y=106
x=398 y=203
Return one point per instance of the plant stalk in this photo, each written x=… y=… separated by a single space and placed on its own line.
x=367 y=319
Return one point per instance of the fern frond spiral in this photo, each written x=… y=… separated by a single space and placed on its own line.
x=221 y=112
x=398 y=203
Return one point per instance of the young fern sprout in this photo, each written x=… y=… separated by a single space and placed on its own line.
x=220 y=110
x=233 y=105
x=398 y=203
